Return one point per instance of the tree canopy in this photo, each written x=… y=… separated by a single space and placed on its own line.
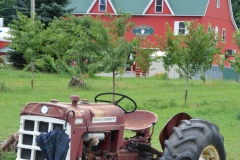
x=45 y=10
x=190 y=51
x=91 y=42
x=114 y=55
x=236 y=62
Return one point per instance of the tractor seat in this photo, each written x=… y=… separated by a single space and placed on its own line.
x=139 y=120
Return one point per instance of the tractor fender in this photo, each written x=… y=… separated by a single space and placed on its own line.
x=173 y=122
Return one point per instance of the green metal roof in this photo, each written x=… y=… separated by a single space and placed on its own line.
x=179 y=7
x=80 y=6
x=130 y=6
x=188 y=7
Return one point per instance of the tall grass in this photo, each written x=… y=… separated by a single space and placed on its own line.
x=216 y=101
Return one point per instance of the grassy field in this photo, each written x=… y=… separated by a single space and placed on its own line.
x=217 y=101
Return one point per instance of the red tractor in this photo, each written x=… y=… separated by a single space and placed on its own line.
x=96 y=132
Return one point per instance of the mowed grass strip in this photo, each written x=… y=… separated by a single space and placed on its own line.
x=217 y=101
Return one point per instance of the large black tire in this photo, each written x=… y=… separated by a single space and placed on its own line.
x=194 y=139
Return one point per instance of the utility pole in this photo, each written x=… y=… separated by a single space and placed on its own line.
x=32 y=62
x=32 y=9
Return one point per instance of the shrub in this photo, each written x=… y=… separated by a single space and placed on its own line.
x=1 y=59
x=47 y=64
x=17 y=59
x=161 y=75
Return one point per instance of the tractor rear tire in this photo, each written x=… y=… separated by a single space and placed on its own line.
x=84 y=153
x=195 y=139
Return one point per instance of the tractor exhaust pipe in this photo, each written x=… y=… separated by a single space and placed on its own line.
x=75 y=99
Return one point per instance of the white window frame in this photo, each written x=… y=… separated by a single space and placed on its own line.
x=218 y=3
x=101 y=4
x=159 y=5
x=223 y=34
x=177 y=30
x=231 y=52
x=216 y=32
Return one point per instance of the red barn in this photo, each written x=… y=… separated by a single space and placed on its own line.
x=3 y=42
x=150 y=16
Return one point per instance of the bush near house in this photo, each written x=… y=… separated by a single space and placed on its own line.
x=1 y=59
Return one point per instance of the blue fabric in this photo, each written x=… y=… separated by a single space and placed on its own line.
x=61 y=147
x=54 y=145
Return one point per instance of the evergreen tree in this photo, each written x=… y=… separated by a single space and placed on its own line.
x=17 y=59
x=7 y=10
x=45 y=10
x=236 y=11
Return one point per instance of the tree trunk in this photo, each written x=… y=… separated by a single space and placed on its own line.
x=32 y=70
x=186 y=92
x=114 y=85
x=204 y=77
x=143 y=74
x=167 y=75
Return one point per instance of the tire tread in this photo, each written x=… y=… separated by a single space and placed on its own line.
x=190 y=138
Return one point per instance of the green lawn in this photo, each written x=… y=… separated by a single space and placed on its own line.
x=217 y=101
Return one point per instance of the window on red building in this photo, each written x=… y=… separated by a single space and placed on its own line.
x=179 y=27
x=159 y=5
x=231 y=52
x=216 y=32
x=209 y=28
x=102 y=5
x=223 y=35
x=218 y=4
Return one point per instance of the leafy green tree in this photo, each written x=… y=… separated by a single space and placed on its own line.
x=114 y=56
x=27 y=38
x=221 y=62
x=89 y=38
x=207 y=63
x=58 y=43
x=236 y=11
x=90 y=41
x=236 y=37
x=144 y=57
x=7 y=10
x=45 y=10
x=191 y=50
x=167 y=45
x=236 y=62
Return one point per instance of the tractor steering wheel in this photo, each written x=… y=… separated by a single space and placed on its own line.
x=116 y=101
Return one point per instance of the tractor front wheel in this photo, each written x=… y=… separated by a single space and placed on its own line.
x=195 y=139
